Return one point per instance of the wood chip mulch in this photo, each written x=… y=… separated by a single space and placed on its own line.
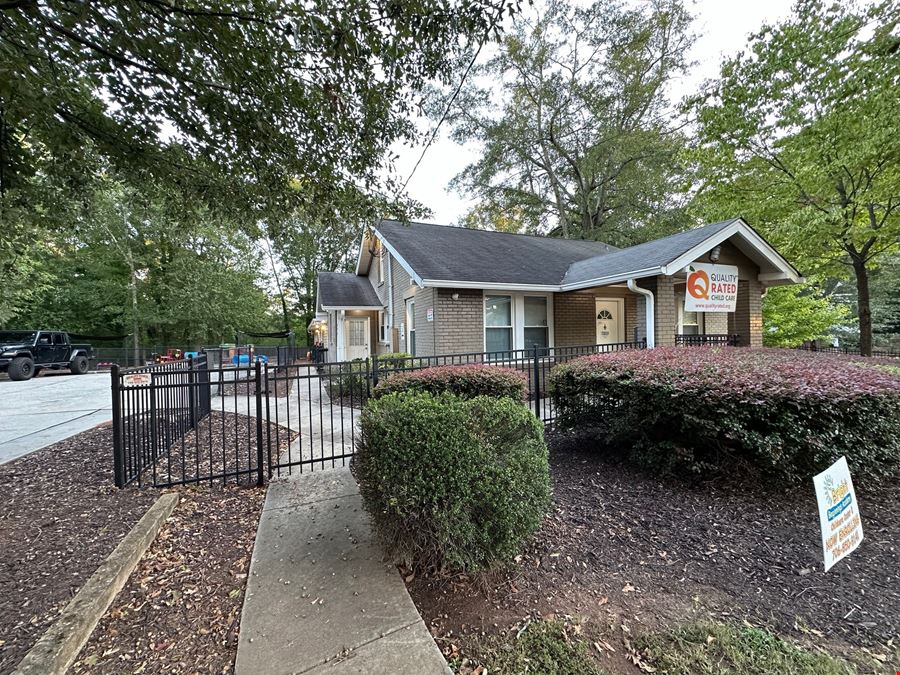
x=60 y=517
x=624 y=546
x=223 y=444
x=180 y=610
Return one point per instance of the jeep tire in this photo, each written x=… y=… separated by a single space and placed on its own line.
x=79 y=365
x=21 y=368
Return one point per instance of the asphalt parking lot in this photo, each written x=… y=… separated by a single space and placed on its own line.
x=49 y=408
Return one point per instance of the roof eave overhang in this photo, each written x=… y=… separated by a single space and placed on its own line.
x=363 y=255
x=399 y=258
x=786 y=273
x=488 y=286
x=367 y=308
x=612 y=279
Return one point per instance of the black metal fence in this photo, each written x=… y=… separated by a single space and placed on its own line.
x=829 y=349
x=684 y=340
x=105 y=358
x=201 y=420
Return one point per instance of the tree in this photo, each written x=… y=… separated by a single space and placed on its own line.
x=802 y=136
x=576 y=129
x=229 y=100
x=793 y=315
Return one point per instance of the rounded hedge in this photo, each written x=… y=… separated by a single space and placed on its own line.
x=465 y=381
x=452 y=484
x=789 y=413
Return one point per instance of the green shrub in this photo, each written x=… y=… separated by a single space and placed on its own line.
x=452 y=484
x=465 y=381
x=395 y=360
x=347 y=382
x=790 y=413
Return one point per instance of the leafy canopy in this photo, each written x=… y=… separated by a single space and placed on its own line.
x=577 y=133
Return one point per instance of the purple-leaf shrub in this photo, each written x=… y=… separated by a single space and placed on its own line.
x=466 y=381
x=706 y=409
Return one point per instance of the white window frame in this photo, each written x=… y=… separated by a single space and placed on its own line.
x=383 y=329
x=679 y=328
x=518 y=316
x=410 y=321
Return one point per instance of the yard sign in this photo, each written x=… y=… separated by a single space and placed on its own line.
x=711 y=288
x=838 y=513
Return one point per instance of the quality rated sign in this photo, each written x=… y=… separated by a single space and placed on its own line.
x=842 y=528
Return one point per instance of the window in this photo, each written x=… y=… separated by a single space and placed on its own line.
x=536 y=330
x=411 y=327
x=58 y=339
x=382 y=327
x=498 y=335
x=689 y=323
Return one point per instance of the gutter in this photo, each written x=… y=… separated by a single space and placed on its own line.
x=650 y=311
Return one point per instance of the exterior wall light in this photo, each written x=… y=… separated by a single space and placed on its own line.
x=714 y=254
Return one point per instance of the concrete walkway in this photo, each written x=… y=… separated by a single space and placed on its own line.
x=50 y=408
x=319 y=597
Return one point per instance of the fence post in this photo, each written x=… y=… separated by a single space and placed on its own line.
x=260 y=468
x=537 y=383
x=118 y=458
x=192 y=393
x=374 y=370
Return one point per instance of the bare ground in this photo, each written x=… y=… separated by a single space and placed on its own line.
x=622 y=548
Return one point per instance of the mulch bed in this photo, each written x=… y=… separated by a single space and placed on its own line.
x=60 y=517
x=180 y=610
x=623 y=547
x=222 y=444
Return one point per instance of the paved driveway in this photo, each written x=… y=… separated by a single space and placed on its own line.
x=49 y=408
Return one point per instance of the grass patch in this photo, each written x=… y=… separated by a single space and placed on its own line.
x=713 y=649
x=544 y=648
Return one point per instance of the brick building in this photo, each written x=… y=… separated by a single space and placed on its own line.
x=432 y=289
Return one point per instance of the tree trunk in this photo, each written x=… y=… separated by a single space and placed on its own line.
x=864 y=308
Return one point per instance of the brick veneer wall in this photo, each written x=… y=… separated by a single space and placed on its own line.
x=715 y=323
x=573 y=319
x=460 y=322
x=746 y=320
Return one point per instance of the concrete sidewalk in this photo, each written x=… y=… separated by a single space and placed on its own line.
x=319 y=597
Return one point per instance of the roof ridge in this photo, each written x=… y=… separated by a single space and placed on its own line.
x=511 y=234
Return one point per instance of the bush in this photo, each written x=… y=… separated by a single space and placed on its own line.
x=452 y=484
x=347 y=382
x=465 y=381
x=395 y=360
x=789 y=413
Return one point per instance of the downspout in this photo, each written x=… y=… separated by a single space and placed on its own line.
x=650 y=311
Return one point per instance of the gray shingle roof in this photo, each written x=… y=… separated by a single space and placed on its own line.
x=650 y=254
x=441 y=252
x=340 y=289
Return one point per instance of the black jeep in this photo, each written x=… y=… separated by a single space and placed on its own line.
x=24 y=353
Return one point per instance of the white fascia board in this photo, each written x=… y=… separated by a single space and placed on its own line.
x=449 y=283
x=365 y=308
x=613 y=279
x=738 y=227
x=405 y=265
x=359 y=258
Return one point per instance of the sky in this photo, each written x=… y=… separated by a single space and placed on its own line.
x=723 y=27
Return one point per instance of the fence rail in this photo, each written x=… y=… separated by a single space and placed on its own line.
x=685 y=340
x=209 y=420
x=828 y=349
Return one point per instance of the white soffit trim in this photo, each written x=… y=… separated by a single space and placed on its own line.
x=741 y=228
x=449 y=283
x=366 y=308
x=613 y=279
x=362 y=252
x=405 y=265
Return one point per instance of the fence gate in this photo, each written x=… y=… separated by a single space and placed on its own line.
x=192 y=421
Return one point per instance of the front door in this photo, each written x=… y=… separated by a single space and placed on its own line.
x=356 y=338
x=610 y=323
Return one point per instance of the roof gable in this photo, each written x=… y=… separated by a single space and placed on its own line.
x=343 y=290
